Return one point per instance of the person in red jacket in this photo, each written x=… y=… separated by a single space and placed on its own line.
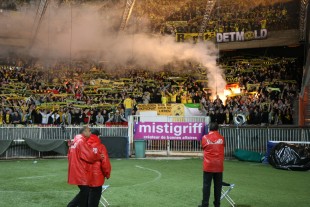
x=99 y=170
x=80 y=158
x=213 y=164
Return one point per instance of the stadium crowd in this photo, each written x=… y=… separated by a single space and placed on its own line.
x=266 y=87
x=29 y=95
x=171 y=16
x=227 y=16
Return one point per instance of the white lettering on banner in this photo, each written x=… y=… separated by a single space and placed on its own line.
x=226 y=37
x=256 y=36
x=232 y=35
x=169 y=137
x=241 y=36
x=171 y=128
x=263 y=33
x=153 y=137
x=219 y=37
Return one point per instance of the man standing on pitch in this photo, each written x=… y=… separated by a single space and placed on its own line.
x=213 y=164
x=100 y=170
x=80 y=158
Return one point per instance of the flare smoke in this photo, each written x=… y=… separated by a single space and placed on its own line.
x=74 y=31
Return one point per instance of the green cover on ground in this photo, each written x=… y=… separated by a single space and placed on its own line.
x=4 y=145
x=245 y=155
x=45 y=145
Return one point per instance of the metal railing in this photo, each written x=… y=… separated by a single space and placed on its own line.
x=19 y=149
x=137 y=118
x=247 y=138
x=256 y=138
x=53 y=132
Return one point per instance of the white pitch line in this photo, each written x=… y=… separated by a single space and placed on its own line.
x=39 y=192
x=34 y=177
x=152 y=170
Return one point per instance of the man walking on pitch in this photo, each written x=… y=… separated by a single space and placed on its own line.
x=213 y=164
x=80 y=158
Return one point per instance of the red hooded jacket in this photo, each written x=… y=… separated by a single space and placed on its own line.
x=100 y=169
x=80 y=158
x=213 y=152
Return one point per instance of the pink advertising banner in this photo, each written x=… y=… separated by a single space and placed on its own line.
x=169 y=130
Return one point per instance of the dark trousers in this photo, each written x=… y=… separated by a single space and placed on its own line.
x=217 y=181
x=81 y=199
x=94 y=196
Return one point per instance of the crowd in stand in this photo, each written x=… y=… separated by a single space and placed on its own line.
x=267 y=93
x=268 y=88
x=89 y=94
x=227 y=16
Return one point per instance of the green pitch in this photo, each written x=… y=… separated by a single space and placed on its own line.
x=152 y=183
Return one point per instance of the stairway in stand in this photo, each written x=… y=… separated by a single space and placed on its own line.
x=307 y=108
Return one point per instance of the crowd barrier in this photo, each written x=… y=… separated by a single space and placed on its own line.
x=55 y=132
x=19 y=149
x=248 y=138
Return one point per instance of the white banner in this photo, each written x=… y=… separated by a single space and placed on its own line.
x=241 y=36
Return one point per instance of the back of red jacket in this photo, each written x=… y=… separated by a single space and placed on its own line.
x=100 y=169
x=213 y=149
x=80 y=158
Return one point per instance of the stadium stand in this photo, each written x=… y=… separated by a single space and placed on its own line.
x=228 y=16
x=267 y=87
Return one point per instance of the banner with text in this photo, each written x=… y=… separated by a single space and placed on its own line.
x=241 y=36
x=221 y=37
x=193 y=37
x=169 y=131
x=163 y=109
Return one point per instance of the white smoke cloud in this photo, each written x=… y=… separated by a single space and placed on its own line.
x=96 y=34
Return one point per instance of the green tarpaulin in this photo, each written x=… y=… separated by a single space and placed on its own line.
x=4 y=145
x=245 y=155
x=46 y=145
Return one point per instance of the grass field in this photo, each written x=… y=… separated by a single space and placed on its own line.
x=152 y=183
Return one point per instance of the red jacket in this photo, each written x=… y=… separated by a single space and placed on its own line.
x=213 y=152
x=80 y=158
x=100 y=169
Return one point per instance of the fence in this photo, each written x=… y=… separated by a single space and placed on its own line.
x=248 y=138
x=18 y=147
x=53 y=132
x=256 y=138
